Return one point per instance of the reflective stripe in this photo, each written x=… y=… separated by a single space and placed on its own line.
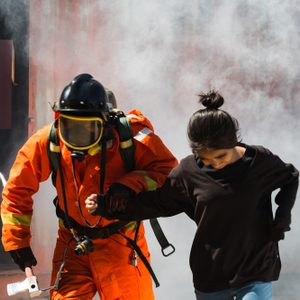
x=132 y=116
x=61 y=223
x=126 y=144
x=142 y=134
x=130 y=226
x=14 y=219
x=151 y=184
x=54 y=148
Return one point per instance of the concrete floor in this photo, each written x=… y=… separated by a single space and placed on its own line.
x=287 y=288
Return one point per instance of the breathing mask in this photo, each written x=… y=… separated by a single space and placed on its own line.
x=80 y=133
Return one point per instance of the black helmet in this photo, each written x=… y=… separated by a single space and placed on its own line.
x=83 y=96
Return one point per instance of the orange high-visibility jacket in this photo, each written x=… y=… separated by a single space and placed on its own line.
x=153 y=162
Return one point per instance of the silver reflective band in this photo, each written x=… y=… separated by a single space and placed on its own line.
x=142 y=134
x=132 y=116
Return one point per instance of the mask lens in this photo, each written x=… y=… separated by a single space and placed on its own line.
x=80 y=133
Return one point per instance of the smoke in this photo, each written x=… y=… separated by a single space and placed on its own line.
x=157 y=56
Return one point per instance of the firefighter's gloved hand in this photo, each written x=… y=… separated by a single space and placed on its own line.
x=118 y=196
x=114 y=201
x=23 y=257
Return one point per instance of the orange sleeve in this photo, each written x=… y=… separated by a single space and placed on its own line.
x=30 y=167
x=153 y=160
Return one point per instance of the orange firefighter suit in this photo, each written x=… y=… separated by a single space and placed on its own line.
x=109 y=268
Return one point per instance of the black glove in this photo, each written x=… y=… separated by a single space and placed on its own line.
x=277 y=234
x=23 y=257
x=114 y=201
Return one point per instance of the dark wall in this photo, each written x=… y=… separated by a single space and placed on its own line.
x=14 y=24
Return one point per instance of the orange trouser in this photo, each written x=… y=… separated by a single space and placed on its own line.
x=107 y=270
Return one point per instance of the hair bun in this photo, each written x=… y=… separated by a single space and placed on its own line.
x=211 y=100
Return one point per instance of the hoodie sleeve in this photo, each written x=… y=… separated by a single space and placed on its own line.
x=285 y=199
x=282 y=178
x=169 y=200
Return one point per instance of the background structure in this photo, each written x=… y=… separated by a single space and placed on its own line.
x=157 y=56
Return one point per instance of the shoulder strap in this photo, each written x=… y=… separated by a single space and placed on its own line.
x=127 y=153
x=126 y=141
x=53 y=151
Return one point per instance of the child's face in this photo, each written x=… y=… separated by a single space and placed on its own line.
x=219 y=158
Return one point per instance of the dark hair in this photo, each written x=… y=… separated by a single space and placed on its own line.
x=212 y=128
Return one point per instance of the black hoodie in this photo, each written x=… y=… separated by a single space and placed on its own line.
x=232 y=208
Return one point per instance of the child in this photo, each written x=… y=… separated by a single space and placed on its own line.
x=225 y=187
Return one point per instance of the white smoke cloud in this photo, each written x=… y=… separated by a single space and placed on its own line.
x=157 y=56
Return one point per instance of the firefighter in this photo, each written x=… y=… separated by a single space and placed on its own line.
x=92 y=254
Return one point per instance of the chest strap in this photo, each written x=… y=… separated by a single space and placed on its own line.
x=92 y=233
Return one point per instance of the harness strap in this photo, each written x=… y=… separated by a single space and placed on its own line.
x=127 y=148
x=143 y=258
x=105 y=232
x=53 y=151
x=160 y=236
x=127 y=153
x=93 y=233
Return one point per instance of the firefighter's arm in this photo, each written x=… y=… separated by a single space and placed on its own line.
x=31 y=166
x=153 y=160
x=122 y=203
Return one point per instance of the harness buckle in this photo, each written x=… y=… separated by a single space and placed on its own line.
x=166 y=253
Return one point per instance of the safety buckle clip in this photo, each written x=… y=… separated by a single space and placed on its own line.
x=166 y=253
